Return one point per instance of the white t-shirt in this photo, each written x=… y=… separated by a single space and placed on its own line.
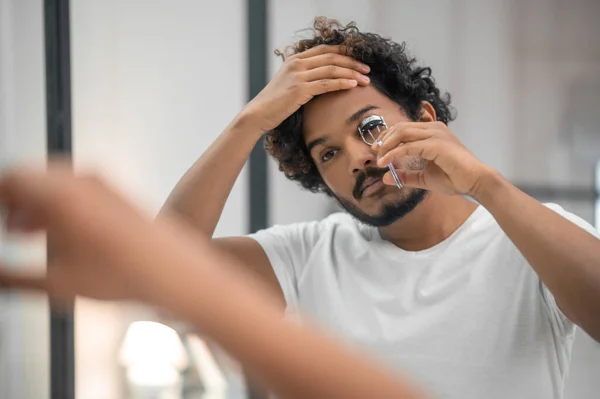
x=467 y=318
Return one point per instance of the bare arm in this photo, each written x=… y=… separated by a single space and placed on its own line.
x=200 y=196
x=254 y=260
x=565 y=256
x=109 y=251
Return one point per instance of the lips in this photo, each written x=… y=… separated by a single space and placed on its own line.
x=368 y=183
x=367 y=178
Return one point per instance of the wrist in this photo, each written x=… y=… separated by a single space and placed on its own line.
x=246 y=122
x=488 y=187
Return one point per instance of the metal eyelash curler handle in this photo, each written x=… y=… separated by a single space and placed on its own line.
x=393 y=171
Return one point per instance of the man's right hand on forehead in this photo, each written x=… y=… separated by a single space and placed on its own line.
x=304 y=75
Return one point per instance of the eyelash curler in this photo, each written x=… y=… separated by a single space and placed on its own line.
x=365 y=130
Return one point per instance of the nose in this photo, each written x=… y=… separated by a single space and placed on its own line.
x=361 y=156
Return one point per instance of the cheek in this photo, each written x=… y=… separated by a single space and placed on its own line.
x=338 y=180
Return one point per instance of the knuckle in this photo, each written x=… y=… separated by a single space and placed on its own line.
x=96 y=180
x=324 y=83
x=65 y=199
x=294 y=64
x=331 y=57
x=89 y=177
x=295 y=78
x=93 y=181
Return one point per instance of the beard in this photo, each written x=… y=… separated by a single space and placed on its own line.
x=390 y=211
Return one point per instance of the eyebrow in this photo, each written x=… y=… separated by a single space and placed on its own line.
x=358 y=114
x=319 y=141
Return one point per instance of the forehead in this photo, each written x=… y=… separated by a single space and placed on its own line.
x=328 y=113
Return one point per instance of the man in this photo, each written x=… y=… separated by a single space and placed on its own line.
x=474 y=298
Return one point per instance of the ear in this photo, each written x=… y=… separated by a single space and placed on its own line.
x=427 y=112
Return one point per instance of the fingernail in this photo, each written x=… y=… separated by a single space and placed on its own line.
x=353 y=82
x=366 y=68
x=366 y=79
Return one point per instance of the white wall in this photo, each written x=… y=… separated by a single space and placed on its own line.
x=24 y=321
x=154 y=83
x=511 y=67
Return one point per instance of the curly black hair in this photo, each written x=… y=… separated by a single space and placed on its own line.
x=393 y=72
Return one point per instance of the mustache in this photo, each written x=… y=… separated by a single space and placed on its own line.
x=364 y=175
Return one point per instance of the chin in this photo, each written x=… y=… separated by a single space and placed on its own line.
x=392 y=195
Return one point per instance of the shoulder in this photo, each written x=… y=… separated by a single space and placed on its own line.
x=573 y=218
x=290 y=247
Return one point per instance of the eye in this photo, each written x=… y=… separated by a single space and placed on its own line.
x=370 y=128
x=328 y=155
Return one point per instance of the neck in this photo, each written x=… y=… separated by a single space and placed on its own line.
x=430 y=223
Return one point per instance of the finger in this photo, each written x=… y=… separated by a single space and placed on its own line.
x=10 y=279
x=23 y=221
x=410 y=178
x=426 y=149
x=335 y=59
x=24 y=208
x=30 y=194
x=321 y=49
x=400 y=136
x=328 y=85
x=30 y=184
x=399 y=127
x=60 y=302
x=334 y=72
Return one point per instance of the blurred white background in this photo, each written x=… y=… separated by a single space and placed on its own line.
x=24 y=319
x=155 y=81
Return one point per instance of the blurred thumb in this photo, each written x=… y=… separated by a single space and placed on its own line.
x=13 y=280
